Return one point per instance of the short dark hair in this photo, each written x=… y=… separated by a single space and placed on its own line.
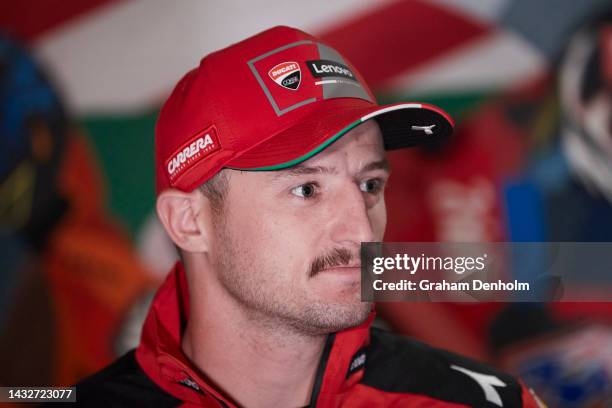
x=215 y=190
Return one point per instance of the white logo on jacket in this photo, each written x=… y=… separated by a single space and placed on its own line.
x=486 y=382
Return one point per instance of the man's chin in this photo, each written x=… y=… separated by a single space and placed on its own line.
x=338 y=317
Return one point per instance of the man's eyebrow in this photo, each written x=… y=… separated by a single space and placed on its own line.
x=376 y=165
x=301 y=169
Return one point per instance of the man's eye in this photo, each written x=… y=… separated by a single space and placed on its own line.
x=307 y=190
x=371 y=186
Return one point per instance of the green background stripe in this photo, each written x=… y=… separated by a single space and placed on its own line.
x=124 y=145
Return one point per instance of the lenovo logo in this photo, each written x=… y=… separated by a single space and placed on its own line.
x=327 y=68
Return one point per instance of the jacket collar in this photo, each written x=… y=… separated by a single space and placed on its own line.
x=161 y=357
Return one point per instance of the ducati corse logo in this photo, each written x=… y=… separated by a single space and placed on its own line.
x=287 y=75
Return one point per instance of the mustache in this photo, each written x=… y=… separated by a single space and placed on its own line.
x=336 y=257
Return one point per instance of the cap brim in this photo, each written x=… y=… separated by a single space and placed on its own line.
x=402 y=125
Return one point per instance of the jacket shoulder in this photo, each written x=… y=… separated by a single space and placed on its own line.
x=122 y=384
x=402 y=365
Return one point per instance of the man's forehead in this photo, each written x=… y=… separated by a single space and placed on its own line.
x=366 y=133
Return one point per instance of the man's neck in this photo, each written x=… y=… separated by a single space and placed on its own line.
x=255 y=362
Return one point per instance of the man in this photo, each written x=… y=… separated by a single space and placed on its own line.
x=270 y=164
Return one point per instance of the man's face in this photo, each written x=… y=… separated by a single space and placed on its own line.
x=287 y=242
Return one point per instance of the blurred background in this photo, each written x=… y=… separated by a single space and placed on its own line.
x=81 y=82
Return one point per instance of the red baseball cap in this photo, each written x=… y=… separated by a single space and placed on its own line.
x=270 y=102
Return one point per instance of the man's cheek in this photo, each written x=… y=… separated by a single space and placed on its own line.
x=378 y=219
x=273 y=239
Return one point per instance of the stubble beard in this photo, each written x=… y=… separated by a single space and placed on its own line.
x=254 y=285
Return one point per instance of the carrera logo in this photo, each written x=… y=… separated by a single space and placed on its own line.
x=328 y=68
x=201 y=145
x=286 y=74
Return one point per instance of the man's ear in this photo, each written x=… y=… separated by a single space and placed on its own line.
x=184 y=219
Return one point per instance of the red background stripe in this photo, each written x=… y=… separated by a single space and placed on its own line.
x=26 y=20
x=400 y=36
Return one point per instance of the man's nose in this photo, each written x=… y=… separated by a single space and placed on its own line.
x=352 y=225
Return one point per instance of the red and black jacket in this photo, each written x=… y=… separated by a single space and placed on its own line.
x=360 y=367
